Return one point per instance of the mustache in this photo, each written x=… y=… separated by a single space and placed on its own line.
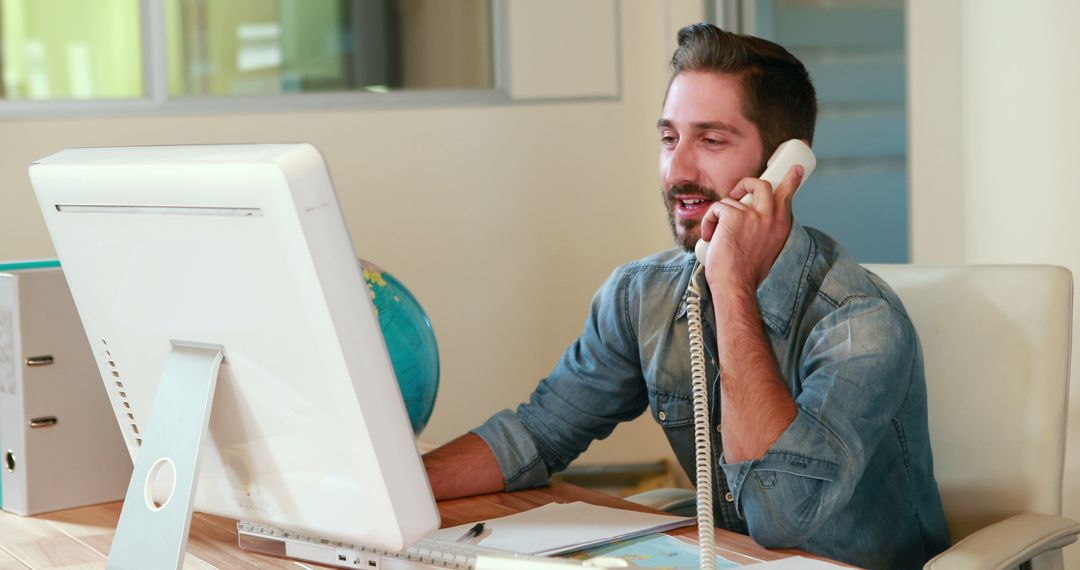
x=680 y=190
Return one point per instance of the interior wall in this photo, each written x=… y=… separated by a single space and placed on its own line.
x=994 y=143
x=502 y=220
x=935 y=141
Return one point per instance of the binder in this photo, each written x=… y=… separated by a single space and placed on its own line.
x=60 y=442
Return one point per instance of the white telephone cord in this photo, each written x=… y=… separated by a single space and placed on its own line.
x=702 y=431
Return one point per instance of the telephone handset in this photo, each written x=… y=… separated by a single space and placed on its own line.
x=788 y=154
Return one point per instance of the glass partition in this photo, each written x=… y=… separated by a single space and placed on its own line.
x=221 y=48
x=70 y=49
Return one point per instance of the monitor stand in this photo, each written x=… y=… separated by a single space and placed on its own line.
x=151 y=534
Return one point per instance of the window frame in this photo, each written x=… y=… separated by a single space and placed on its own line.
x=156 y=99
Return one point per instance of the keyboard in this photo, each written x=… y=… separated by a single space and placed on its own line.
x=427 y=554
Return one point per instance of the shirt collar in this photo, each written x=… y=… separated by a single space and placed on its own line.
x=777 y=295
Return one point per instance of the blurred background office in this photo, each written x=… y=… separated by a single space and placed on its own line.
x=499 y=156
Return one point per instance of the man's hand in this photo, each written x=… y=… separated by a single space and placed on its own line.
x=745 y=240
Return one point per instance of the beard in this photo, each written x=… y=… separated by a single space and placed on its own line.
x=685 y=232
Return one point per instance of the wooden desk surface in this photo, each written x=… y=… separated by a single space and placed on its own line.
x=80 y=538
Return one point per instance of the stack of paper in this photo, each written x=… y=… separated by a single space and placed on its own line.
x=565 y=527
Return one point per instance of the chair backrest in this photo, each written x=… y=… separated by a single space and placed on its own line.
x=996 y=342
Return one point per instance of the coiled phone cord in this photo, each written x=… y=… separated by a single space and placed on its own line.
x=702 y=432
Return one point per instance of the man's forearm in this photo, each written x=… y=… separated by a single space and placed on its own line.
x=462 y=468
x=755 y=405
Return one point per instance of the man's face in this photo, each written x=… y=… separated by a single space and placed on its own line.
x=706 y=147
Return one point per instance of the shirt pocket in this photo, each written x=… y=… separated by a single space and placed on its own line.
x=671 y=410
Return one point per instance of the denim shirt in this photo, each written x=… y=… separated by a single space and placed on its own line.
x=851 y=478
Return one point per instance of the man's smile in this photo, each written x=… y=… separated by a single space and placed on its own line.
x=691 y=207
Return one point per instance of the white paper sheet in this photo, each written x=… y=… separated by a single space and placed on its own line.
x=564 y=527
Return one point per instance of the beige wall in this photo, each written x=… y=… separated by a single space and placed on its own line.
x=503 y=220
x=994 y=142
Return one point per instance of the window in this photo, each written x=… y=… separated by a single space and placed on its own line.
x=67 y=49
x=220 y=50
x=855 y=53
x=261 y=47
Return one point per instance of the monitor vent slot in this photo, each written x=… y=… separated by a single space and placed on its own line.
x=117 y=387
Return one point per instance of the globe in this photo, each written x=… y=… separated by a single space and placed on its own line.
x=410 y=340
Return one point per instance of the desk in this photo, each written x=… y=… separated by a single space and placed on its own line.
x=80 y=538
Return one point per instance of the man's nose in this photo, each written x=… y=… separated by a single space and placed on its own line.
x=681 y=166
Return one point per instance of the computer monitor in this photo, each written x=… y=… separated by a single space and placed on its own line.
x=177 y=255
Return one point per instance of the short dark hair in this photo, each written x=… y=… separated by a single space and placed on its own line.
x=778 y=96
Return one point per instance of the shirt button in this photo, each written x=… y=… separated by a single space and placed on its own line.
x=662 y=416
x=729 y=497
x=718 y=429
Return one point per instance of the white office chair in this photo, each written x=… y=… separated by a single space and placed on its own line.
x=996 y=341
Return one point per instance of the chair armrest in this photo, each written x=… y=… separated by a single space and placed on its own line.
x=681 y=502
x=1008 y=543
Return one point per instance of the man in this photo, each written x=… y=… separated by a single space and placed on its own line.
x=823 y=442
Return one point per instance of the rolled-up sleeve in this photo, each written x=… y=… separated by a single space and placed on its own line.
x=856 y=371
x=596 y=384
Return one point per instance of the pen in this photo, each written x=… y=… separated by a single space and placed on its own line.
x=472 y=532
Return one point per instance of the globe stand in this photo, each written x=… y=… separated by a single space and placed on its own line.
x=151 y=535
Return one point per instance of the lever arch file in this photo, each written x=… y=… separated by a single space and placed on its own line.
x=60 y=443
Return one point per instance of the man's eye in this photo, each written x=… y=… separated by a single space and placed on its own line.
x=714 y=142
x=667 y=140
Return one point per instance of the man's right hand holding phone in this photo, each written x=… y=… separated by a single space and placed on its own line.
x=745 y=239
